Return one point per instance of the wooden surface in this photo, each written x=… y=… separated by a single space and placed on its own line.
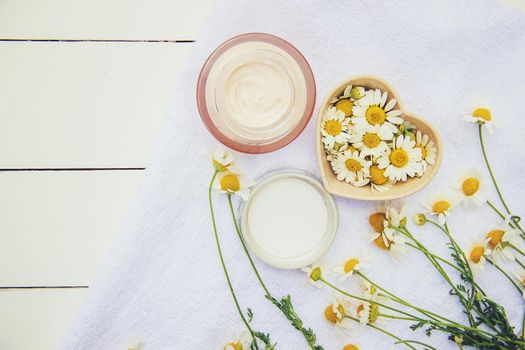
x=84 y=87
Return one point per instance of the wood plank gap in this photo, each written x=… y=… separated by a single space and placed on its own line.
x=70 y=169
x=183 y=41
x=41 y=287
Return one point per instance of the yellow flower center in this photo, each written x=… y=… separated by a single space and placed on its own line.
x=330 y=315
x=353 y=165
x=470 y=186
x=355 y=93
x=316 y=274
x=371 y=140
x=333 y=127
x=375 y=115
x=230 y=183
x=482 y=113
x=350 y=265
x=399 y=158
x=377 y=221
x=359 y=309
x=345 y=105
x=380 y=243
x=476 y=253
x=351 y=347
x=373 y=312
x=234 y=346
x=495 y=237
x=440 y=207
x=424 y=152
x=377 y=176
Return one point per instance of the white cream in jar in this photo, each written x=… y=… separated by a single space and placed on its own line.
x=289 y=220
x=256 y=93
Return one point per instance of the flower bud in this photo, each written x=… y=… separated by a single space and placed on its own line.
x=316 y=274
x=420 y=219
x=459 y=340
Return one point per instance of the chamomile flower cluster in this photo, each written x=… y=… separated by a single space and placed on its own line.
x=367 y=142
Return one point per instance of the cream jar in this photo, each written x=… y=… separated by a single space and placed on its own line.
x=256 y=93
x=290 y=220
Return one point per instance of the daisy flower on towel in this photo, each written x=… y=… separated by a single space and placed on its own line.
x=478 y=112
x=472 y=187
x=233 y=183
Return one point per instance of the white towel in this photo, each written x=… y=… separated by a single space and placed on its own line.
x=162 y=283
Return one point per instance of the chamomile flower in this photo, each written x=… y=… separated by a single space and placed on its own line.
x=370 y=140
x=373 y=109
x=391 y=242
x=382 y=235
x=397 y=248
x=335 y=128
x=406 y=128
x=351 y=265
x=240 y=341
x=500 y=242
x=233 y=183
x=479 y=113
x=441 y=204
x=352 y=167
x=428 y=151
x=222 y=160
x=353 y=346
x=402 y=160
x=332 y=153
x=472 y=187
x=351 y=92
x=378 y=180
x=315 y=273
x=476 y=256
x=337 y=311
x=396 y=215
x=368 y=312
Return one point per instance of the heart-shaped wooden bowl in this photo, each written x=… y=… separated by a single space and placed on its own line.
x=400 y=189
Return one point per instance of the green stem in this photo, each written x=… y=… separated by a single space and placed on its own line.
x=490 y=168
x=401 y=341
x=523 y=326
x=425 y=251
x=506 y=275
x=443 y=273
x=516 y=249
x=496 y=210
x=520 y=263
x=401 y=301
x=237 y=229
x=241 y=314
x=398 y=317
x=516 y=223
x=443 y=325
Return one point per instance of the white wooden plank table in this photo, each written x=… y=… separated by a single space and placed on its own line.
x=84 y=87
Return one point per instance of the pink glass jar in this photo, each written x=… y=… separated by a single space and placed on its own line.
x=256 y=93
